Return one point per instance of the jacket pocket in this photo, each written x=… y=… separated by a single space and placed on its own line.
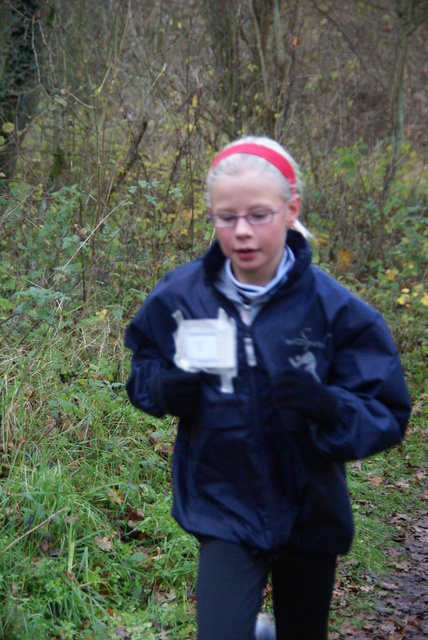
x=222 y=415
x=221 y=410
x=221 y=450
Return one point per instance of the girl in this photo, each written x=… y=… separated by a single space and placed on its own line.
x=313 y=380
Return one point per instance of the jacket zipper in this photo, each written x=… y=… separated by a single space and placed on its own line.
x=251 y=357
x=250 y=352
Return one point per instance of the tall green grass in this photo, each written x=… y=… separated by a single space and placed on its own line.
x=87 y=544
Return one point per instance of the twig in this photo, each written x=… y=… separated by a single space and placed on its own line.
x=260 y=51
x=27 y=533
x=92 y=233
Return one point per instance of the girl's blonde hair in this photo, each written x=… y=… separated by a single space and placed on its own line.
x=236 y=163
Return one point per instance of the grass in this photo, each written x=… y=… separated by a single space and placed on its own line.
x=87 y=545
x=88 y=548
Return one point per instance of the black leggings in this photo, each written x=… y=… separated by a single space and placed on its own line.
x=231 y=580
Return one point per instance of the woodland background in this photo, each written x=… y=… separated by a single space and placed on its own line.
x=110 y=113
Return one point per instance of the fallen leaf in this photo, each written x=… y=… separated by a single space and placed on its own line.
x=104 y=543
x=389 y=585
x=134 y=514
x=424 y=300
x=115 y=496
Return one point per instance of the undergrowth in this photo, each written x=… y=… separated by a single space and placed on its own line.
x=87 y=542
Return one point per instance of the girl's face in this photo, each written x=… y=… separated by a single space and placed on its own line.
x=255 y=251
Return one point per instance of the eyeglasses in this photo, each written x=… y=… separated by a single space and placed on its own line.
x=254 y=218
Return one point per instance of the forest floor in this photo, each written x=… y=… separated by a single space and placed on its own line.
x=400 y=600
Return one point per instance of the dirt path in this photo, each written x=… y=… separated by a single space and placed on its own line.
x=401 y=600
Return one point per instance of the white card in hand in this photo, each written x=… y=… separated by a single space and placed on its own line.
x=202 y=347
x=207 y=344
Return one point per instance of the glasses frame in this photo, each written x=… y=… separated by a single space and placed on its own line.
x=212 y=217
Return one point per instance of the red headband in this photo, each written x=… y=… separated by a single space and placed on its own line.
x=275 y=158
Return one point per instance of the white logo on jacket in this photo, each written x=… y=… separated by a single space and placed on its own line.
x=307 y=360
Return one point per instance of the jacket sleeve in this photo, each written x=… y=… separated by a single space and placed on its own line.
x=369 y=384
x=152 y=352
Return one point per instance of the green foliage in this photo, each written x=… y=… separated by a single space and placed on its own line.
x=88 y=544
x=359 y=232
x=60 y=253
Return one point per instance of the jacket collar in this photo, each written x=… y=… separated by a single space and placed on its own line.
x=215 y=258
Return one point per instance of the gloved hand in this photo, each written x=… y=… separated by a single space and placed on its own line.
x=297 y=390
x=176 y=391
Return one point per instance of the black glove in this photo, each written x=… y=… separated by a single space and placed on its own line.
x=297 y=390
x=176 y=391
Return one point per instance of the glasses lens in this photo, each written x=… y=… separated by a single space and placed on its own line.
x=255 y=218
x=264 y=216
x=224 y=219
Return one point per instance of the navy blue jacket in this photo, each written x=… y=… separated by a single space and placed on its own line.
x=243 y=470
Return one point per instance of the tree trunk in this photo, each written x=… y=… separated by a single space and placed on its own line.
x=18 y=74
x=223 y=25
x=397 y=97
